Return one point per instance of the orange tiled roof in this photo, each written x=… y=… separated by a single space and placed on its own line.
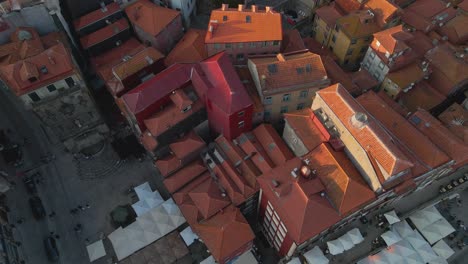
x=150 y=17
x=249 y=144
x=393 y=39
x=273 y=144
x=186 y=205
x=343 y=184
x=441 y=136
x=29 y=45
x=313 y=46
x=136 y=62
x=115 y=55
x=419 y=144
x=384 y=10
x=363 y=80
x=208 y=198
x=95 y=16
x=404 y=77
x=423 y=96
x=53 y=39
x=168 y=165
x=183 y=176
x=456 y=29
x=421 y=14
x=148 y=142
x=187 y=145
x=264 y=26
x=225 y=233
x=372 y=137
x=354 y=25
x=295 y=68
x=292 y=41
x=329 y=13
x=337 y=75
x=191 y=48
x=455 y=118
x=104 y=33
x=400 y=109
x=305 y=129
x=57 y=60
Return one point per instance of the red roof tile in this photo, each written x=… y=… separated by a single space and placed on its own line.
x=337 y=75
x=292 y=69
x=343 y=183
x=313 y=46
x=249 y=144
x=186 y=204
x=183 y=176
x=168 y=165
x=455 y=118
x=348 y=6
x=133 y=64
x=292 y=41
x=208 y=198
x=305 y=129
x=225 y=233
x=393 y=39
x=187 y=145
x=115 y=55
x=298 y=201
x=148 y=142
x=372 y=137
x=104 y=33
x=57 y=60
x=273 y=144
x=419 y=144
x=456 y=29
x=263 y=26
x=95 y=16
x=151 y=18
x=384 y=10
x=191 y=48
x=441 y=136
x=329 y=14
x=421 y=14
x=400 y=109
x=422 y=95
x=364 y=80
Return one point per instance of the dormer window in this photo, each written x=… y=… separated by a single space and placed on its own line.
x=248 y=19
x=225 y=18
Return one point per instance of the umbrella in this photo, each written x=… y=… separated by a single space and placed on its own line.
x=402 y=228
x=390 y=238
x=432 y=214
x=392 y=257
x=356 y=236
x=335 y=247
x=346 y=241
x=315 y=256
x=392 y=217
x=96 y=250
x=443 y=250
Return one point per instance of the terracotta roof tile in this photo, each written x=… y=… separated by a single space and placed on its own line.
x=183 y=176
x=292 y=41
x=95 y=16
x=329 y=13
x=53 y=39
x=273 y=144
x=186 y=205
x=343 y=183
x=249 y=144
x=298 y=202
x=150 y=17
x=148 y=142
x=337 y=75
x=410 y=74
x=400 y=109
x=263 y=26
x=115 y=55
x=355 y=25
x=303 y=125
x=384 y=10
x=455 y=118
x=423 y=96
x=393 y=39
x=397 y=125
x=57 y=60
x=180 y=99
x=441 y=136
x=372 y=137
x=191 y=48
x=364 y=80
x=136 y=62
x=421 y=13
x=456 y=29
x=347 y=6
x=225 y=233
x=187 y=145
x=168 y=165
x=313 y=46
x=290 y=69
x=208 y=198
x=104 y=33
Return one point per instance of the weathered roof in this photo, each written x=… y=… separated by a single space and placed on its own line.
x=292 y=41
x=273 y=144
x=329 y=13
x=358 y=24
x=184 y=176
x=135 y=63
x=187 y=145
x=104 y=33
x=423 y=96
x=455 y=118
x=96 y=15
x=191 y=48
x=151 y=18
x=384 y=10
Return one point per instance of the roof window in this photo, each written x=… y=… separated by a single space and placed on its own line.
x=308 y=68
x=248 y=19
x=300 y=70
x=44 y=69
x=225 y=18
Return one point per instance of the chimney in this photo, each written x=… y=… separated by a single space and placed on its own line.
x=241 y=8
x=268 y=9
x=224 y=7
x=254 y=8
x=280 y=57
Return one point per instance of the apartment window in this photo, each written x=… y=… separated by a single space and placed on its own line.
x=284 y=109
x=300 y=106
x=276 y=43
x=252 y=44
x=241 y=114
x=217 y=46
x=368 y=38
x=363 y=49
x=228 y=45
x=224 y=18
x=372 y=55
x=308 y=68
x=267 y=101
x=264 y=43
x=381 y=65
x=272 y=68
x=240 y=56
x=350 y=51
x=70 y=82
x=34 y=97
x=241 y=124
x=353 y=41
x=334 y=38
x=286 y=97
x=300 y=70
x=248 y=19
x=240 y=45
x=377 y=43
x=303 y=94
x=51 y=88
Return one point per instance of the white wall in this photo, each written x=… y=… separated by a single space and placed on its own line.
x=44 y=93
x=373 y=64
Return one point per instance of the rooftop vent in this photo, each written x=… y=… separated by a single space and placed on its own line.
x=306 y=172
x=149 y=60
x=103 y=7
x=241 y=8
x=359 y=120
x=44 y=69
x=275 y=183
x=294 y=172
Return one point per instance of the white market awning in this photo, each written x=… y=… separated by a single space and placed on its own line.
x=246 y=258
x=437 y=230
x=402 y=248
x=188 y=236
x=426 y=253
x=392 y=217
x=425 y=217
x=443 y=250
x=208 y=260
x=147 y=199
x=402 y=228
x=96 y=250
x=143 y=191
x=414 y=259
x=294 y=260
x=346 y=241
x=356 y=236
x=335 y=247
x=315 y=256
x=390 y=238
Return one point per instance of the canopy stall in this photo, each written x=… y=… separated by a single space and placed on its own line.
x=315 y=256
x=437 y=230
x=355 y=235
x=425 y=217
x=392 y=217
x=96 y=250
x=346 y=241
x=188 y=236
x=443 y=250
x=335 y=247
x=147 y=199
x=390 y=238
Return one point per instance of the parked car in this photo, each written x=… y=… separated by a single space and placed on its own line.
x=51 y=249
x=37 y=207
